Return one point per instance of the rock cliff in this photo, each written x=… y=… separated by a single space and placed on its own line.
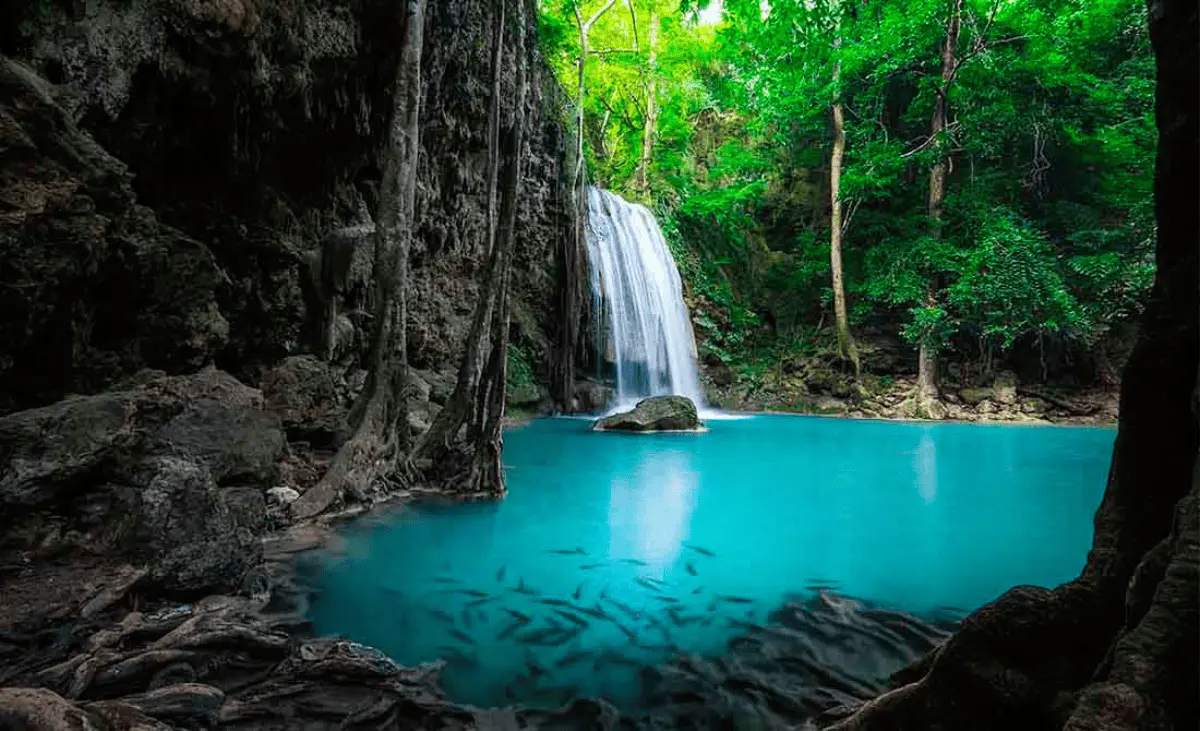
x=181 y=178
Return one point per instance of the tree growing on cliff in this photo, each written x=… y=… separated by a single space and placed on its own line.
x=478 y=398
x=378 y=444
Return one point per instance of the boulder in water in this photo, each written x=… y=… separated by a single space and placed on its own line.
x=656 y=414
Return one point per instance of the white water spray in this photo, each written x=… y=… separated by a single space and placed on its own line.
x=638 y=299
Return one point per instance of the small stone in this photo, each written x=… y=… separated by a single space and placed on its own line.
x=282 y=495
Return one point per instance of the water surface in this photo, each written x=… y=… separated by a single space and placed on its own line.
x=640 y=547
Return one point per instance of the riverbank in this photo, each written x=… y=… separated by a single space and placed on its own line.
x=1001 y=399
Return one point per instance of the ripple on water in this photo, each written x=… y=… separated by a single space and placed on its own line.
x=653 y=570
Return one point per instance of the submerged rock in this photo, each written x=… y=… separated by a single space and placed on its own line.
x=659 y=413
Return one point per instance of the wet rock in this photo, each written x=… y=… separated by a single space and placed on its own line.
x=138 y=471
x=1005 y=386
x=304 y=393
x=282 y=495
x=591 y=396
x=232 y=442
x=659 y=413
x=179 y=520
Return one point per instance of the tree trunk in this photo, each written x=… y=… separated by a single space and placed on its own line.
x=927 y=371
x=450 y=419
x=380 y=416
x=846 y=346
x=486 y=472
x=651 y=126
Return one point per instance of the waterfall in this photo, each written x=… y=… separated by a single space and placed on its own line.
x=643 y=325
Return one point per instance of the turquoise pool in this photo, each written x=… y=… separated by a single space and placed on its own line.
x=623 y=550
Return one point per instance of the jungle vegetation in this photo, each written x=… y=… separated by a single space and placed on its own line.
x=972 y=175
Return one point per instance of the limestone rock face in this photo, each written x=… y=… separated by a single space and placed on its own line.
x=170 y=473
x=660 y=413
x=303 y=392
x=173 y=170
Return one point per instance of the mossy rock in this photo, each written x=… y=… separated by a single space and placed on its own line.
x=656 y=414
x=976 y=396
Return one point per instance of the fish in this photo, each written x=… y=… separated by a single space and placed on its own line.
x=445 y=580
x=590 y=566
x=500 y=573
x=699 y=549
x=466 y=592
x=712 y=606
x=547 y=636
x=648 y=584
x=552 y=602
x=466 y=618
x=522 y=589
x=462 y=636
x=631 y=634
x=614 y=658
x=578 y=592
x=734 y=599
x=633 y=562
x=596 y=612
x=554 y=623
x=444 y=616
x=668 y=599
x=691 y=569
x=577 y=551
x=535 y=670
x=538 y=636
x=481 y=602
x=571 y=659
x=633 y=614
x=522 y=618
x=579 y=621
x=510 y=629
x=698 y=589
x=456 y=656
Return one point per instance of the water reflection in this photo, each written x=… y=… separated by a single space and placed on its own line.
x=925 y=466
x=650 y=509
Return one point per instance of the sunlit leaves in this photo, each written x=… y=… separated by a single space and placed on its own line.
x=1049 y=224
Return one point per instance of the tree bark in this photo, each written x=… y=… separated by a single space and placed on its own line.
x=485 y=473
x=449 y=421
x=927 y=357
x=650 y=128
x=846 y=346
x=380 y=415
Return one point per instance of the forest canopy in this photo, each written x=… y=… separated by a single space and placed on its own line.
x=728 y=118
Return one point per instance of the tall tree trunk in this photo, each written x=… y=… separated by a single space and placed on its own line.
x=486 y=471
x=375 y=450
x=927 y=356
x=650 y=128
x=449 y=421
x=847 y=349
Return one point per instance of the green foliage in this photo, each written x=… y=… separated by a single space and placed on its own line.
x=1048 y=227
x=521 y=379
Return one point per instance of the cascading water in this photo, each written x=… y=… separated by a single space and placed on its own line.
x=638 y=299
